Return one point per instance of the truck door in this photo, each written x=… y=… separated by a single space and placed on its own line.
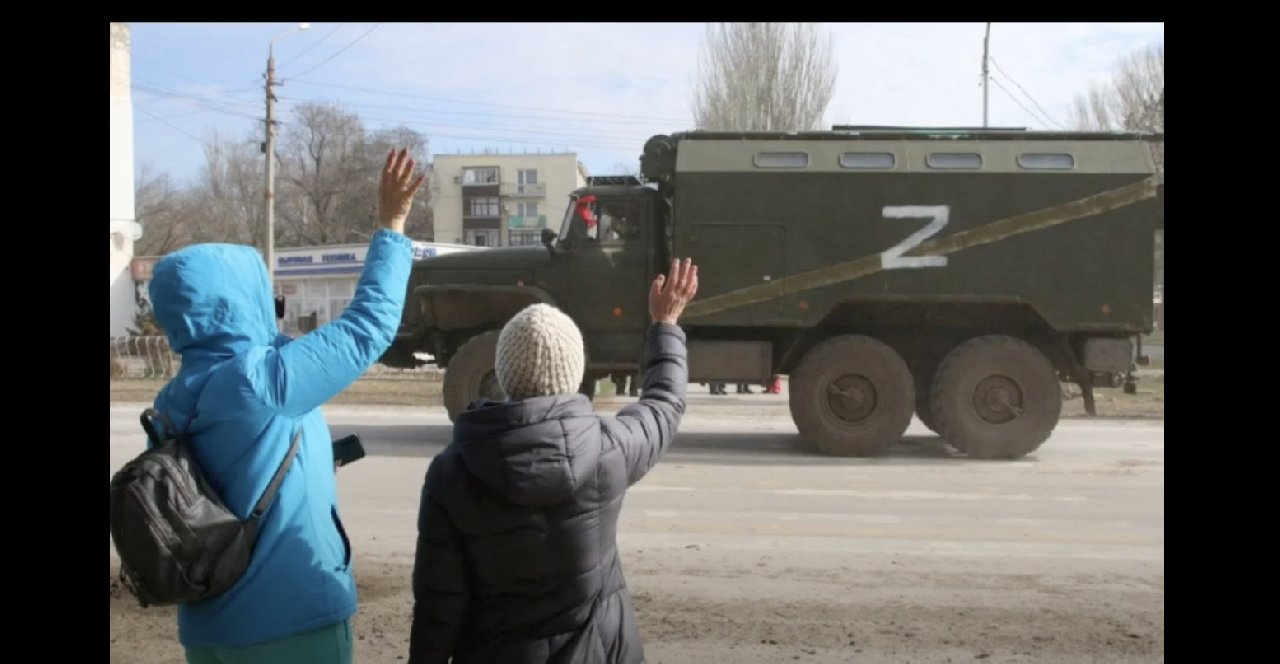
x=609 y=276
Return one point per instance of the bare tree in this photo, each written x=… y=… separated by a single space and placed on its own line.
x=421 y=222
x=231 y=192
x=1132 y=100
x=322 y=171
x=160 y=209
x=326 y=188
x=764 y=76
x=623 y=168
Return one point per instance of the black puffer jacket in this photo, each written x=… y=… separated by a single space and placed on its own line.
x=517 y=561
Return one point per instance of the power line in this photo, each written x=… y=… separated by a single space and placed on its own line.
x=431 y=133
x=184 y=77
x=619 y=139
x=193 y=111
x=484 y=103
x=210 y=104
x=1043 y=112
x=165 y=90
x=340 y=51
x=313 y=45
x=1015 y=99
x=171 y=125
x=604 y=134
x=544 y=118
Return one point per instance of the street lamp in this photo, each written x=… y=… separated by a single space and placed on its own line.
x=271 y=152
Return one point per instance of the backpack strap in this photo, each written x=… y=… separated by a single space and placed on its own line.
x=148 y=425
x=251 y=525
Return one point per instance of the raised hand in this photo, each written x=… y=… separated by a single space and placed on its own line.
x=669 y=294
x=396 y=191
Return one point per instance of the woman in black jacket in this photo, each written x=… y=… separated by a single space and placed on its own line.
x=517 y=560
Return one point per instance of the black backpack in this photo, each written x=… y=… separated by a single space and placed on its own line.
x=176 y=539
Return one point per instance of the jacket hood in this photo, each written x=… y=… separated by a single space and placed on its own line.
x=534 y=452
x=213 y=299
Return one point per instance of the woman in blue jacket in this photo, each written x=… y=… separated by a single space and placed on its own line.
x=242 y=392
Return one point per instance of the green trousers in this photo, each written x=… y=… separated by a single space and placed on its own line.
x=327 y=645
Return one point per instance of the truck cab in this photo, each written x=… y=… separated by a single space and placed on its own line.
x=614 y=240
x=614 y=237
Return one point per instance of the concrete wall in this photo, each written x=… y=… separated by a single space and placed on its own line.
x=124 y=229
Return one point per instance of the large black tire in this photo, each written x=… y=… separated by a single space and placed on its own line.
x=996 y=397
x=924 y=412
x=852 y=396
x=471 y=374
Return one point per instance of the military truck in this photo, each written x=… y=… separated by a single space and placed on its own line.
x=962 y=275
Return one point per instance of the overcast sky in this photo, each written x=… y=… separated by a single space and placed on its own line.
x=598 y=89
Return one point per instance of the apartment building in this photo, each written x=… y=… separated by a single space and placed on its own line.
x=494 y=199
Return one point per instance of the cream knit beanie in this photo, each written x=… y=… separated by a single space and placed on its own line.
x=540 y=353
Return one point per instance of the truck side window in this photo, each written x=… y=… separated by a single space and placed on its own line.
x=618 y=223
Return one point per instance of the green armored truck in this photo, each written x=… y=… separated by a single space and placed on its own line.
x=958 y=274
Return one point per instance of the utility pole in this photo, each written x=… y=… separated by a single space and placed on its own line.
x=986 y=79
x=271 y=168
x=270 y=149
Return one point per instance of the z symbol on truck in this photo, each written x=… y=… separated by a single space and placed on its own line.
x=892 y=258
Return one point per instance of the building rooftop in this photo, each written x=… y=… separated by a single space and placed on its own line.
x=495 y=152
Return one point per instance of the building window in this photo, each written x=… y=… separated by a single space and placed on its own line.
x=1046 y=161
x=954 y=160
x=527 y=210
x=342 y=288
x=867 y=160
x=486 y=206
x=782 y=160
x=480 y=176
x=340 y=293
x=326 y=298
x=481 y=238
x=524 y=238
x=527 y=181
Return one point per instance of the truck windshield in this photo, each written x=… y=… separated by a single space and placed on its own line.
x=582 y=213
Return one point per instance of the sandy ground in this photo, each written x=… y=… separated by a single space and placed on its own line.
x=741 y=547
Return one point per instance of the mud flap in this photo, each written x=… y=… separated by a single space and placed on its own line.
x=1086 y=391
x=1082 y=378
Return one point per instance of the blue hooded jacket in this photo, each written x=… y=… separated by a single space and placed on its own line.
x=242 y=392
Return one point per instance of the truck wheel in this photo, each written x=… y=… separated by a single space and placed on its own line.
x=471 y=375
x=852 y=396
x=924 y=412
x=997 y=397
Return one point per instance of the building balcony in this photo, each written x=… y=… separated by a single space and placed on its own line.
x=521 y=223
x=535 y=190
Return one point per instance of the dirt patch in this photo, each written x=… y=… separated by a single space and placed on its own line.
x=685 y=627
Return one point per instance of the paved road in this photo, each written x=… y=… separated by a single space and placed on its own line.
x=741 y=547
